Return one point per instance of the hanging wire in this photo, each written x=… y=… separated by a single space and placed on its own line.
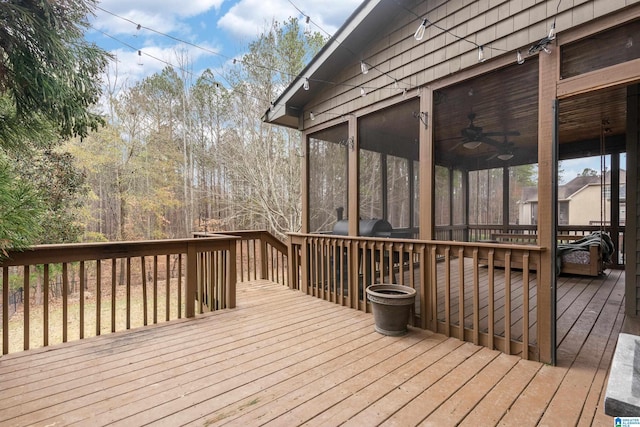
x=238 y=61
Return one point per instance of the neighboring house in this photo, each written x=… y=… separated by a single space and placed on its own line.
x=581 y=201
x=409 y=95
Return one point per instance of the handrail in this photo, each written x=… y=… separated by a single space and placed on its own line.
x=461 y=286
x=114 y=286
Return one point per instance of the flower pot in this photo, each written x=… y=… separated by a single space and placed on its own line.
x=391 y=306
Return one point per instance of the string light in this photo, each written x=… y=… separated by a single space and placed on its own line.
x=364 y=67
x=552 y=31
x=235 y=60
x=419 y=34
x=481 y=57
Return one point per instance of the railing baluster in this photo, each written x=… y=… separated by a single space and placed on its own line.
x=179 y=283
x=82 y=279
x=154 y=289
x=5 y=310
x=45 y=309
x=167 y=286
x=507 y=302
x=476 y=299
x=491 y=300
x=143 y=273
x=461 y=291
x=26 y=303
x=525 y=306
x=128 y=286
x=447 y=291
x=65 y=294
x=113 y=294
x=98 y=296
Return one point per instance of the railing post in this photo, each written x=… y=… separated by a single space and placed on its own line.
x=305 y=262
x=232 y=275
x=292 y=266
x=264 y=262
x=191 y=281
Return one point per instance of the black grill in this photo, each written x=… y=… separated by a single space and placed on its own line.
x=367 y=228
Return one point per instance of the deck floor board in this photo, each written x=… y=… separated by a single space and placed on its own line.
x=284 y=358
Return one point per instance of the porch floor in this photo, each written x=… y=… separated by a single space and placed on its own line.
x=283 y=358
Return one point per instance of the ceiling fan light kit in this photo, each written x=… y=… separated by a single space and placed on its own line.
x=471 y=145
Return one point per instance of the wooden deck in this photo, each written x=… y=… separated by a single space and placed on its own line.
x=282 y=358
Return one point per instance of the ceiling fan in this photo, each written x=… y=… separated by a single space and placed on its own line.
x=473 y=136
x=505 y=150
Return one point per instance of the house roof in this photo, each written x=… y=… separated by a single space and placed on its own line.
x=577 y=184
x=341 y=51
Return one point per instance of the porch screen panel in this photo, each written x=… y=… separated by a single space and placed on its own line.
x=485 y=197
x=371 y=203
x=457 y=195
x=327 y=187
x=522 y=187
x=398 y=198
x=443 y=197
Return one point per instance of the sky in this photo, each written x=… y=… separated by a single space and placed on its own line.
x=215 y=31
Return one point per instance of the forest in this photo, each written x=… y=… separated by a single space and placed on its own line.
x=181 y=152
x=162 y=157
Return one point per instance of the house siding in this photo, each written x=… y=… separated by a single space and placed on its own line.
x=502 y=27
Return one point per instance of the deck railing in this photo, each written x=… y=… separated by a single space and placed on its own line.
x=473 y=291
x=478 y=233
x=260 y=255
x=71 y=291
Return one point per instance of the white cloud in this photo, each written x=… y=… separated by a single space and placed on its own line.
x=249 y=17
x=129 y=67
x=161 y=15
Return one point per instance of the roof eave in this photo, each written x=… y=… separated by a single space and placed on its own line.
x=283 y=111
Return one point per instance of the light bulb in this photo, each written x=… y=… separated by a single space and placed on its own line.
x=312 y=116
x=363 y=92
x=629 y=43
x=305 y=85
x=505 y=156
x=519 y=58
x=552 y=32
x=364 y=67
x=546 y=50
x=419 y=34
x=480 y=54
x=471 y=145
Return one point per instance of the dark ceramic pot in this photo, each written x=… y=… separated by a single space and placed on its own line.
x=391 y=306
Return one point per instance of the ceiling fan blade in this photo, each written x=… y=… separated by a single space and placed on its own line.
x=506 y=133
x=490 y=141
x=456 y=146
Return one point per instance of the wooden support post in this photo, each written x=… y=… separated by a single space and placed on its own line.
x=232 y=277
x=632 y=283
x=547 y=84
x=427 y=168
x=264 y=261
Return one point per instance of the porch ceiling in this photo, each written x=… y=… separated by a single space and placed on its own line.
x=507 y=101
